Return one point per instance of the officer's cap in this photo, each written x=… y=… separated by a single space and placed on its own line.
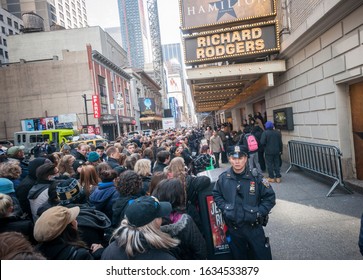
x=238 y=151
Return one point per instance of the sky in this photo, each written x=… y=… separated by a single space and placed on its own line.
x=105 y=14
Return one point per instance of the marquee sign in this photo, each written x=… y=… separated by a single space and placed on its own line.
x=201 y=14
x=236 y=42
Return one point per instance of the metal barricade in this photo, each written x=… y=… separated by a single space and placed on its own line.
x=321 y=159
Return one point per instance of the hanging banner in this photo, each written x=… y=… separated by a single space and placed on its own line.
x=96 y=107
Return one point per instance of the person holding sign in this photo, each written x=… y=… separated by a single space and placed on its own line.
x=245 y=199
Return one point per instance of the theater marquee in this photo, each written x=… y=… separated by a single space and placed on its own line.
x=202 y=14
x=246 y=40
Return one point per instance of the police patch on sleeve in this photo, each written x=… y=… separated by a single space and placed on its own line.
x=265 y=182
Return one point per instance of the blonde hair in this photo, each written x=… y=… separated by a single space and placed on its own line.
x=65 y=165
x=131 y=238
x=6 y=202
x=10 y=169
x=143 y=167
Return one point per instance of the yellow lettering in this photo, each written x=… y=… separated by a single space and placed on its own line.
x=225 y=38
x=240 y=47
x=246 y=34
x=220 y=51
x=209 y=52
x=201 y=42
x=260 y=44
x=230 y=49
x=215 y=39
x=236 y=36
x=250 y=46
x=200 y=53
x=256 y=33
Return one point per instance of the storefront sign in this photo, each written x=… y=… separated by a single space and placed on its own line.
x=202 y=14
x=147 y=106
x=96 y=106
x=247 y=40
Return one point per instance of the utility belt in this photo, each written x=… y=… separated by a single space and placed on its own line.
x=261 y=220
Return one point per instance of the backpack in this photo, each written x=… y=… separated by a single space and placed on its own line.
x=252 y=143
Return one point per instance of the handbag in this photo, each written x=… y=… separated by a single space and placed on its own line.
x=211 y=166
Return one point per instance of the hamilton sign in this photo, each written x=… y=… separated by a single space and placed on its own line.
x=202 y=14
x=236 y=42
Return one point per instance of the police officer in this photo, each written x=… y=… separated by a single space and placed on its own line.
x=245 y=199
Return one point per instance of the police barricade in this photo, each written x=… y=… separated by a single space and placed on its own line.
x=212 y=221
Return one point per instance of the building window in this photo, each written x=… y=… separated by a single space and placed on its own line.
x=10 y=22
x=16 y=25
x=1 y=52
x=11 y=32
x=3 y=30
x=2 y=18
x=6 y=55
x=5 y=42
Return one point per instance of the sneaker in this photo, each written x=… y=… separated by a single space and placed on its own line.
x=278 y=180
x=271 y=180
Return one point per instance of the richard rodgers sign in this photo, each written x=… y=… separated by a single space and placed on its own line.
x=246 y=40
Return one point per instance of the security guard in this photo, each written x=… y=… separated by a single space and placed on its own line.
x=245 y=199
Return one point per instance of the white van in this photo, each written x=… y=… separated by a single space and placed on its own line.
x=29 y=139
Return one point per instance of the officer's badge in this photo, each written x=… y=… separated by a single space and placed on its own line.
x=237 y=149
x=252 y=188
x=265 y=182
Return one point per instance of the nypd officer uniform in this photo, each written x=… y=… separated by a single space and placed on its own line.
x=245 y=200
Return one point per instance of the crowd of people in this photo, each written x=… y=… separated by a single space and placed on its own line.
x=131 y=199
x=137 y=198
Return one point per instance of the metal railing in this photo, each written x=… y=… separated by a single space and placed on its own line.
x=322 y=159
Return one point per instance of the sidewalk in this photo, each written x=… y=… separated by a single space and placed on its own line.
x=307 y=225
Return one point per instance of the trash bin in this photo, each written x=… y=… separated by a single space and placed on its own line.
x=212 y=221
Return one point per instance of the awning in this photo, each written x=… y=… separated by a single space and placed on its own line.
x=222 y=87
x=151 y=119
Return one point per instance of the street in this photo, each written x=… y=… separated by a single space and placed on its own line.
x=307 y=225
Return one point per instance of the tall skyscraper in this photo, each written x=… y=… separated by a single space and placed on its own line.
x=66 y=13
x=134 y=32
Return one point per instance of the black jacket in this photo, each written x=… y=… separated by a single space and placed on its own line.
x=192 y=244
x=57 y=249
x=242 y=199
x=272 y=141
x=159 y=167
x=119 y=208
x=114 y=252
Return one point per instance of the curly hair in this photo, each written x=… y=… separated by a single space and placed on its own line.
x=10 y=169
x=129 y=183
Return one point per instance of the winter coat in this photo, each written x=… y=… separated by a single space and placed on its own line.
x=57 y=249
x=17 y=224
x=272 y=141
x=119 y=208
x=159 y=167
x=192 y=244
x=215 y=144
x=103 y=197
x=38 y=195
x=114 y=252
